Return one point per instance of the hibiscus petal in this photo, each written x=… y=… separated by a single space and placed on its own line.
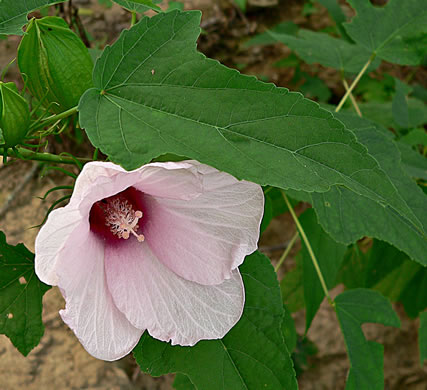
x=90 y=311
x=168 y=306
x=205 y=238
x=100 y=180
x=171 y=180
x=51 y=240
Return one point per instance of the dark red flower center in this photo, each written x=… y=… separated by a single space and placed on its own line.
x=118 y=216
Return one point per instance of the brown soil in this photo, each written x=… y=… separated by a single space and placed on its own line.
x=60 y=362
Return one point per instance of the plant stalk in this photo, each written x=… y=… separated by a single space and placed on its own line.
x=54 y=118
x=353 y=100
x=286 y=252
x=45 y=157
x=133 y=20
x=354 y=83
x=310 y=250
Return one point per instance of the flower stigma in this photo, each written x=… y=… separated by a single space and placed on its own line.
x=122 y=219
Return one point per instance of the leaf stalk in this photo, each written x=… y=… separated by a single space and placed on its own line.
x=286 y=251
x=54 y=118
x=310 y=250
x=354 y=83
x=25 y=154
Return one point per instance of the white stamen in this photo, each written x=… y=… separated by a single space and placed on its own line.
x=122 y=219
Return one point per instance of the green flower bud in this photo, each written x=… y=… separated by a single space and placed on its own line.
x=55 y=63
x=14 y=115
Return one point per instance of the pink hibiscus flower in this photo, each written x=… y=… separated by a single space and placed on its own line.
x=153 y=249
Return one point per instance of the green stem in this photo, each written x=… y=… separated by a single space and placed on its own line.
x=26 y=154
x=354 y=83
x=310 y=250
x=286 y=252
x=133 y=20
x=54 y=118
x=353 y=100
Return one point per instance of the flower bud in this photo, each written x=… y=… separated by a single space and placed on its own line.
x=14 y=115
x=55 y=63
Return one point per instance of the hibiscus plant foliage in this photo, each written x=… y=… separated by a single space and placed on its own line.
x=156 y=247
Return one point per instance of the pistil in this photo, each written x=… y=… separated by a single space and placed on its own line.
x=122 y=219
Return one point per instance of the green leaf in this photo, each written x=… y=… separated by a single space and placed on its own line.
x=329 y=255
x=414 y=293
x=413 y=163
x=292 y=286
x=390 y=272
x=265 y=38
x=289 y=330
x=175 y=5
x=416 y=137
x=337 y=14
x=156 y=94
x=21 y=296
x=348 y=217
x=241 y=4
x=182 y=382
x=139 y=6
x=352 y=272
x=372 y=90
x=422 y=337
x=400 y=104
x=278 y=205
x=419 y=92
x=314 y=87
x=13 y=14
x=382 y=113
x=316 y=47
x=400 y=36
x=354 y=308
x=253 y=355
x=268 y=213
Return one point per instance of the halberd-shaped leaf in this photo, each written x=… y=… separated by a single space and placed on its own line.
x=156 y=94
x=348 y=217
x=252 y=356
x=13 y=14
x=21 y=294
x=354 y=308
x=395 y=32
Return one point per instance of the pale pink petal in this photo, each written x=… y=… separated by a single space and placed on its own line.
x=101 y=180
x=168 y=306
x=170 y=180
x=51 y=240
x=90 y=311
x=205 y=238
